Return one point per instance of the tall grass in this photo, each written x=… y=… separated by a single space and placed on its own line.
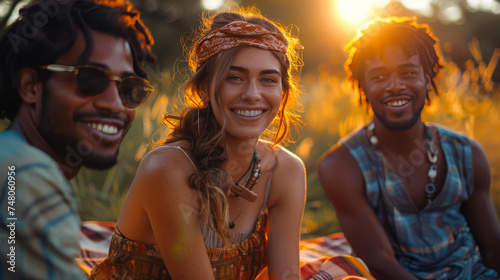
x=468 y=103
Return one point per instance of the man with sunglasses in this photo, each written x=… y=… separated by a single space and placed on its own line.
x=71 y=76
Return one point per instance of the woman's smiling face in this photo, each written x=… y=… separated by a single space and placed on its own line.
x=250 y=94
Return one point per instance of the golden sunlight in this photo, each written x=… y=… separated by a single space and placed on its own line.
x=354 y=11
x=357 y=11
x=212 y=4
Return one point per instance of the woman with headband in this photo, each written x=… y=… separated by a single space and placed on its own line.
x=215 y=200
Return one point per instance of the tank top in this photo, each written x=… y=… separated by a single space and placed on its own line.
x=243 y=259
x=434 y=242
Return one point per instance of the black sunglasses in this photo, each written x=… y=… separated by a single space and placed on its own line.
x=93 y=81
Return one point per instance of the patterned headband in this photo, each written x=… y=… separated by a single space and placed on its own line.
x=238 y=33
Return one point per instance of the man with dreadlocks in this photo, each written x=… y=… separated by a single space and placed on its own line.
x=412 y=199
x=71 y=76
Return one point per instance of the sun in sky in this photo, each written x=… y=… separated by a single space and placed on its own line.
x=354 y=12
x=357 y=11
x=212 y=5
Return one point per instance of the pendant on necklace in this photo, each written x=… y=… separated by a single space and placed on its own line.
x=432 y=156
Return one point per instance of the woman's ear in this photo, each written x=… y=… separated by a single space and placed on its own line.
x=29 y=85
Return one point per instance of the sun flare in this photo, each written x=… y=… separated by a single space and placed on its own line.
x=357 y=11
x=212 y=5
x=354 y=11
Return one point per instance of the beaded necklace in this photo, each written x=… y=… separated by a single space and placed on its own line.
x=432 y=156
x=245 y=190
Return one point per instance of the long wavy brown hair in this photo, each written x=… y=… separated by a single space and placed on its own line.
x=197 y=124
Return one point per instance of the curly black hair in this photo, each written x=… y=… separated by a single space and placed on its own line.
x=400 y=31
x=46 y=29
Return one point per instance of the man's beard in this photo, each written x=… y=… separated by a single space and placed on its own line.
x=73 y=152
x=399 y=126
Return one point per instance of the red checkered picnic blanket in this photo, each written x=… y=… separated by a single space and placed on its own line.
x=322 y=258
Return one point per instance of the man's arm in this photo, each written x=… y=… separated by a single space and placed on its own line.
x=480 y=211
x=343 y=184
x=46 y=228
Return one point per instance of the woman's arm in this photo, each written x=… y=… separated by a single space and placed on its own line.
x=172 y=208
x=285 y=206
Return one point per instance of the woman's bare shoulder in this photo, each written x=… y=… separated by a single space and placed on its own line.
x=169 y=157
x=282 y=157
x=166 y=168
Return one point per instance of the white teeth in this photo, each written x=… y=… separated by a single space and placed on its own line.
x=398 y=103
x=106 y=128
x=248 y=113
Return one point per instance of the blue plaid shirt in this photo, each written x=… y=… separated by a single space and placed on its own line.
x=42 y=221
x=434 y=242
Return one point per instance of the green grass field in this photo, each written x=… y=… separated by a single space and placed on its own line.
x=467 y=103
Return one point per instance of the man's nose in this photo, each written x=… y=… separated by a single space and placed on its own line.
x=395 y=84
x=110 y=99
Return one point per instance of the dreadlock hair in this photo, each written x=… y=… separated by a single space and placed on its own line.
x=47 y=29
x=197 y=124
x=372 y=38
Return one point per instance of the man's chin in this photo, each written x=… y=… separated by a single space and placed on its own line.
x=99 y=162
x=399 y=125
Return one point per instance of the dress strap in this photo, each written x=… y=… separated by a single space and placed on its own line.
x=118 y=231
x=182 y=150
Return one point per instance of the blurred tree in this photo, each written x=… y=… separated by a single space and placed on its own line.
x=168 y=20
x=322 y=32
x=473 y=23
